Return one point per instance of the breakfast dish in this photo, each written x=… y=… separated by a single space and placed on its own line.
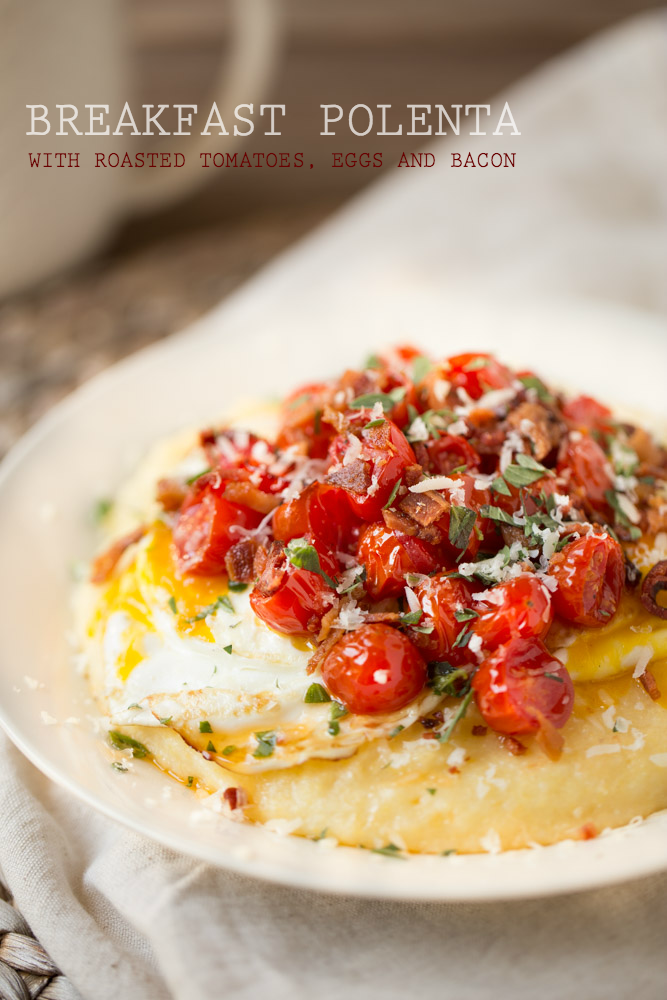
x=415 y=608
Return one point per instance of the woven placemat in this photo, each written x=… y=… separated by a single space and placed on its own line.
x=26 y=971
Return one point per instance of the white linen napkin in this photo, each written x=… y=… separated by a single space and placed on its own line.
x=583 y=213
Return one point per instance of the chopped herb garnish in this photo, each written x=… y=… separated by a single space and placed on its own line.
x=237 y=587
x=565 y=540
x=190 y=781
x=533 y=382
x=421 y=366
x=228 y=649
x=210 y=748
x=102 y=509
x=466 y=614
x=463 y=708
x=172 y=604
x=525 y=471
x=315 y=694
x=221 y=602
x=373 y=361
x=445 y=854
x=122 y=742
x=496 y=514
x=117 y=766
x=395 y=731
x=299 y=401
x=266 y=743
x=461 y=522
x=197 y=475
x=166 y=722
x=337 y=712
x=387 y=400
x=389 y=851
x=205 y=727
x=475 y=364
x=411 y=617
x=359 y=579
x=374 y=423
x=459 y=468
x=393 y=495
x=462 y=639
x=228 y=751
x=446 y=679
x=553 y=677
x=305 y=556
x=322 y=834
x=431 y=791
x=500 y=486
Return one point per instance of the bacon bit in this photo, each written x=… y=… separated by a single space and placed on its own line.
x=515 y=747
x=656 y=515
x=354 y=477
x=104 y=564
x=655 y=583
x=240 y=560
x=588 y=831
x=323 y=650
x=432 y=720
x=479 y=730
x=251 y=496
x=360 y=383
x=327 y=621
x=399 y=522
x=236 y=798
x=511 y=533
x=269 y=568
x=337 y=419
x=412 y=474
x=650 y=685
x=546 y=429
x=376 y=617
x=424 y=508
x=170 y=493
x=646 y=448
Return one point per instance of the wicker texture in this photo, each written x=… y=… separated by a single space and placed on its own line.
x=26 y=971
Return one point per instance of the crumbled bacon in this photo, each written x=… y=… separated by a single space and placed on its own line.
x=170 y=493
x=378 y=617
x=650 y=685
x=479 y=730
x=412 y=474
x=396 y=521
x=510 y=743
x=424 y=508
x=588 y=831
x=250 y=496
x=337 y=419
x=354 y=477
x=104 y=565
x=240 y=560
x=544 y=429
x=327 y=621
x=269 y=568
x=236 y=798
x=324 y=649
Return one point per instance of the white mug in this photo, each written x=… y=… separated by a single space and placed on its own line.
x=74 y=52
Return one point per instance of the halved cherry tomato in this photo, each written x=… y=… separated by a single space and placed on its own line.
x=321 y=510
x=590 y=573
x=293 y=600
x=385 y=454
x=441 y=597
x=521 y=687
x=205 y=530
x=240 y=455
x=519 y=607
x=388 y=555
x=301 y=419
x=374 y=669
x=588 y=470
x=477 y=373
x=449 y=452
x=585 y=413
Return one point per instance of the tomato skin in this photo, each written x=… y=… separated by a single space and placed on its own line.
x=388 y=555
x=321 y=510
x=440 y=597
x=513 y=693
x=203 y=533
x=588 y=471
x=300 y=422
x=386 y=452
x=450 y=451
x=477 y=381
x=585 y=413
x=299 y=599
x=590 y=573
x=524 y=610
x=374 y=669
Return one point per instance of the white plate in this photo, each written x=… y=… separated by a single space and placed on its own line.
x=84 y=448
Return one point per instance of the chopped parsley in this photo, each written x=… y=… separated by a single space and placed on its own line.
x=374 y=423
x=466 y=614
x=266 y=743
x=463 y=708
x=421 y=366
x=228 y=649
x=553 y=677
x=166 y=722
x=228 y=751
x=237 y=587
x=303 y=555
x=395 y=731
x=102 y=509
x=337 y=712
x=389 y=851
x=172 y=604
x=446 y=679
x=221 y=602
x=210 y=748
x=205 y=727
x=533 y=382
x=387 y=400
x=190 y=781
x=197 y=475
x=122 y=742
x=411 y=617
x=431 y=791
x=359 y=579
x=462 y=639
x=461 y=522
x=393 y=495
x=373 y=361
x=117 y=766
x=316 y=694
x=526 y=471
x=500 y=486
x=496 y=514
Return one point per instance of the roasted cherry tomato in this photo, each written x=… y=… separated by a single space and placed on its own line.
x=381 y=455
x=477 y=373
x=321 y=510
x=205 y=530
x=301 y=419
x=241 y=456
x=374 y=669
x=588 y=470
x=388 y=555
x=522 y=688
x=518 y=607
x=441 y=597
x=590 y=573
x=585 y=413
x=293 y=600
x=449 y=452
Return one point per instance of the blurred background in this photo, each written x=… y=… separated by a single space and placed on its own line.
x=147 y=273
